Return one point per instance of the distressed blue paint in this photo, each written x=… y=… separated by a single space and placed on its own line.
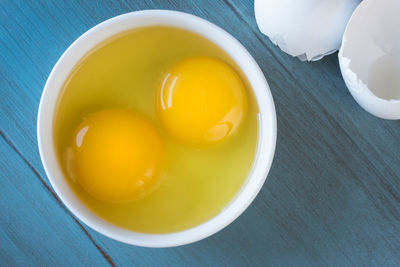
x=332 y=196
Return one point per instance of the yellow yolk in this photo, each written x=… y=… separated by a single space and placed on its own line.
x=117 y=155
x=201 y=101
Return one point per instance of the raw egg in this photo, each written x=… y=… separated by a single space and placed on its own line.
x=117 y=155
x=150 y=169
x=201 y=101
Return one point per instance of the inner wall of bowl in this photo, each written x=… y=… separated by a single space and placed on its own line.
x=372 y=44
x=267 y=124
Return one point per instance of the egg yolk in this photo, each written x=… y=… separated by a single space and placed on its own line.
x=117 y=155
x=201 y=101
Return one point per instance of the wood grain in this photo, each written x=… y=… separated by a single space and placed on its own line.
x=332 y=196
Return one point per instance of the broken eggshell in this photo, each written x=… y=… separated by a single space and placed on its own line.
x=307 y=29
x=369 y=57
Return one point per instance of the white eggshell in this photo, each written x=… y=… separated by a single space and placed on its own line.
x=308 y=29
x=369 y=57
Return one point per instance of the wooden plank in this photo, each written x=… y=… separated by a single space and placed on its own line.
x=332 y=196
x=322 y=81
x=30 y=230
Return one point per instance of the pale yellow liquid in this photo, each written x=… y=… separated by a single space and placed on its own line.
x=125 y=72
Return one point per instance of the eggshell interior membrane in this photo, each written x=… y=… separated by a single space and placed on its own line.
x=370 y=57
x=307 y=29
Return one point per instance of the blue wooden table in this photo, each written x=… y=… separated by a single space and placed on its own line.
x=332 y=196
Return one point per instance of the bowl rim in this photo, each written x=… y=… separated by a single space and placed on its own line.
x=266 y=118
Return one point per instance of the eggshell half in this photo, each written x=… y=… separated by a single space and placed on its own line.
x=369 y=57
x=307 y=29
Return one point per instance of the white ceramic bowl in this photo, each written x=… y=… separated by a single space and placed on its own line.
x=265 y=145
